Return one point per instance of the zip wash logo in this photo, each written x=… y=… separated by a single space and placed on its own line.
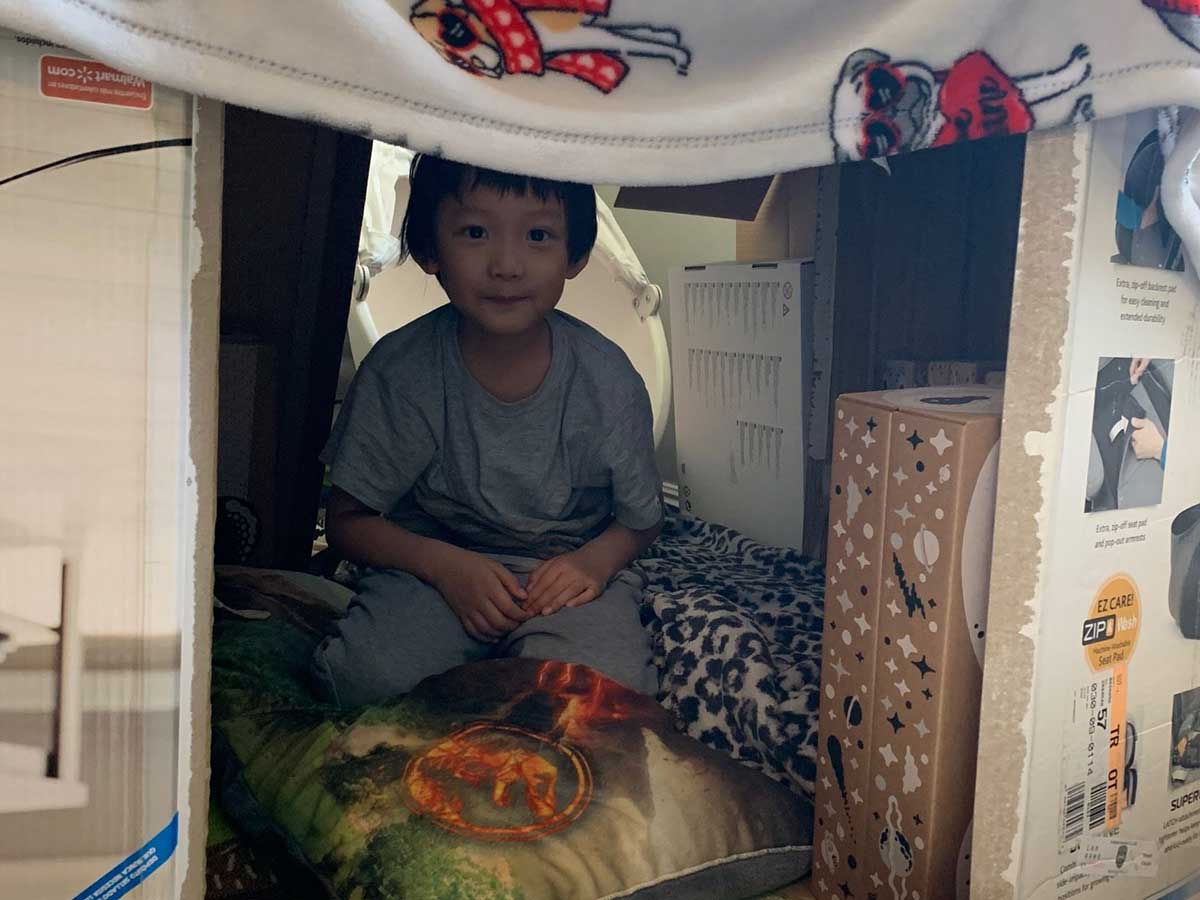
x=68 y=78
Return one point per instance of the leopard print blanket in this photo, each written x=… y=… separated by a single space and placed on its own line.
x=736 y=630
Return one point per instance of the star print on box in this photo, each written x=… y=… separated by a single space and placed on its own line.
x=940 y=442
x=924 y=668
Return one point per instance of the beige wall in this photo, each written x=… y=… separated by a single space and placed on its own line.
x=663 y=241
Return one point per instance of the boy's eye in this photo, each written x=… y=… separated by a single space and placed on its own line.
x=537 y=235
x=475 y=232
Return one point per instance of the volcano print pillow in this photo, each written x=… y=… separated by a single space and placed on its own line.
x=508 y=779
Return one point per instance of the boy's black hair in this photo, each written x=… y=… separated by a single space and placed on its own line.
x=432 y=179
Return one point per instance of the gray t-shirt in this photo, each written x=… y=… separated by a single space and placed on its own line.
x=420 y=440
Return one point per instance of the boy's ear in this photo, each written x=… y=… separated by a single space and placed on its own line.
x=578 y=266
x=430 y=265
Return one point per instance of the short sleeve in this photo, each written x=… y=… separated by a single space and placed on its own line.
x=380 y=443
x=629 y=455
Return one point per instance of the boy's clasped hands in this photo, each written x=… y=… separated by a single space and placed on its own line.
x=490 y=602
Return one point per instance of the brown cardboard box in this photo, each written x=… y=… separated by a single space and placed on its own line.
x=108 y=334
x=912 y=501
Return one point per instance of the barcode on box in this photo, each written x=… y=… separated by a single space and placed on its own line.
x=1073 y=812
x=1097 y=806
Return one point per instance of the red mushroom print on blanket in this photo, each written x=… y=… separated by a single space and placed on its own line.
x=883 y=106
x=1181 y=16
x=494 y=38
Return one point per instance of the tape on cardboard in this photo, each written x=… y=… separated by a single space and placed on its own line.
x=136 y=867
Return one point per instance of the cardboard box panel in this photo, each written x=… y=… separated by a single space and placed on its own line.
x=855 y=571
x=97 y=469
x=1094 y=794
x=920 y=631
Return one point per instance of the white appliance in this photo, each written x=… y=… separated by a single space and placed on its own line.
x=741 y=362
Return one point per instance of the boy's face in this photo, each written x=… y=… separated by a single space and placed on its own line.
x=502 y=258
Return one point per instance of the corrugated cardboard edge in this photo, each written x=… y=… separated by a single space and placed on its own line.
x=1033 y=409
x=201 y=480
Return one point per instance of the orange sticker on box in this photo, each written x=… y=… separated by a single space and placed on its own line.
x=1110 y=632
x=68 y=78
x=1116 y=748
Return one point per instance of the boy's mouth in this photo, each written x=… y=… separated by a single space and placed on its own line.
x=506 y=299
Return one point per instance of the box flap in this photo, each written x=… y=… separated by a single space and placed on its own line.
x=726 y=200
x=951 y=403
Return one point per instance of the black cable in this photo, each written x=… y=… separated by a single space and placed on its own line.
x=98 y=154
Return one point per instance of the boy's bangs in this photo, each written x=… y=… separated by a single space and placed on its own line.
x=505 y=183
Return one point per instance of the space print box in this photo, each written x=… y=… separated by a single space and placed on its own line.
x=912 y=501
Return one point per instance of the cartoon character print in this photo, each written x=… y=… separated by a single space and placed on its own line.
x=1181 y=16
x=882 y=106
x=494 y=38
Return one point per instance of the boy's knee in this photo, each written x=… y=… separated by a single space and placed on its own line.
x=608 y=636
x=348 y=679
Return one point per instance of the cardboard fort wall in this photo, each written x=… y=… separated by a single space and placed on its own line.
x=909 y=552
x=1076 y=304
x=107 y=461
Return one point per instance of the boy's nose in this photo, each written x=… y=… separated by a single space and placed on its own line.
x=506 y=260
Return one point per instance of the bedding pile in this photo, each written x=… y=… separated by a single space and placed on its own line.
x=736 y=631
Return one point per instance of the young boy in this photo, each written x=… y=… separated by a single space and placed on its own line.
x=493 y=462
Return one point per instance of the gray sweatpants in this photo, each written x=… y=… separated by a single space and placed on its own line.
x=398 y=630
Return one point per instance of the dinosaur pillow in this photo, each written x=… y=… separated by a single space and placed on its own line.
x=498 y=780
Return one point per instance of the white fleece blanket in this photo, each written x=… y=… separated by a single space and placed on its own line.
x=652 y=91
